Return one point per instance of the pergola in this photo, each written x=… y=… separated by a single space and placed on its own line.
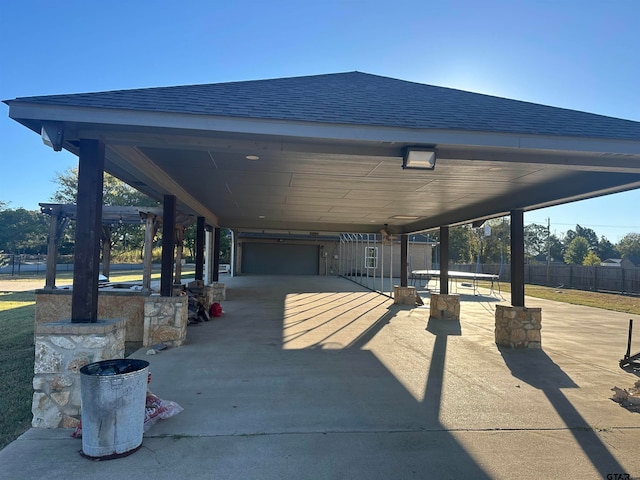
x=325 y=153
x=151 y=217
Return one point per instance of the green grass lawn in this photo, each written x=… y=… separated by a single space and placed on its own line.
x=608 y=301
x=17 y=312
x=17 y=315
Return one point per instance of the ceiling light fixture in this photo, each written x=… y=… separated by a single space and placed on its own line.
x=252 y=157
x=419 y=158
x=405 y=217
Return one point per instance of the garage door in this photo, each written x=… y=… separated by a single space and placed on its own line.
x=280 y=259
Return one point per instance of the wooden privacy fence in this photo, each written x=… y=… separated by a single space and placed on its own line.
x=602 y=279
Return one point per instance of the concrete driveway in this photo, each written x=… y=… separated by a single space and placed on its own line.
x=316 y=377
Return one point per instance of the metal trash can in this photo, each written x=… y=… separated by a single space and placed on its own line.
x=113 y=404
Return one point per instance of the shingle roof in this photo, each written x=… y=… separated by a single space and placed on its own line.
x=357 y=98
x=634 y=259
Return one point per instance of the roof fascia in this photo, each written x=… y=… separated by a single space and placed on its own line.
x=568 y=160
x=26 y=112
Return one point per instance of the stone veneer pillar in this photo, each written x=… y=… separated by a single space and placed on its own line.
x=444 y=306
x=218 y=292
x=55 y=305
x=165 y=320
x=61 y=350
x=518 y=327
x=404 y=295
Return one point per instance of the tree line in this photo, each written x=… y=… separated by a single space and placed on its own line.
x=25 y=232
x=580 y=246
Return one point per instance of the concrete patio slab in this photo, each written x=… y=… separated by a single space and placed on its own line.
x=317 y=377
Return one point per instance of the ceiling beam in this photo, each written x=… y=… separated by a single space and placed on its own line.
x=164 y=183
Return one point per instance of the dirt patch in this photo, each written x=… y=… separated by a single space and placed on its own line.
x=20 y=285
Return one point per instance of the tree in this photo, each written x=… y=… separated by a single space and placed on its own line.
x=606 y=249
x=190 y=241
x=591 y=259
x=576 y=251
x=588 y=234
x=461 y=244
x=556 y=248
x=629 y=244
x=23 y=231
x=114 y=193
x=535 y=240
x=464 y=242
x=225 y=245
x=497 y=245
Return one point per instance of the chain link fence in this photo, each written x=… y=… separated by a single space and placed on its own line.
x=23 y=265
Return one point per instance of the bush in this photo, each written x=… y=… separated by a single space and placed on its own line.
x=135 y=256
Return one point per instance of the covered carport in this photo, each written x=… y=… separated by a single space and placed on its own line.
x=330 y=153
x=325 y=154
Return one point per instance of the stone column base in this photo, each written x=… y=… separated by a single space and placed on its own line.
x=55 y=306
x=207 y=297
x=61 y=350
x=218 y=292
x=518 y=327
x=404 y=295
x=165 y=320
x=444 y=306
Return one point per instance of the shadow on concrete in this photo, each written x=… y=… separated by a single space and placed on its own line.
x=441 y=329
x=367 y=335
x=535 y=368
x=349 y=389
x=467 y=298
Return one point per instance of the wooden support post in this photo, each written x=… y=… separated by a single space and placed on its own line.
x=404 y=264
x=52 y=250
x=208 y=259
x=179 y=249
x=168 y=243
x=216 y=254
x=444 y=260
x=199 y=249
x=517 y=258
x=149 y=234
x=86 y=262
x=106 y=250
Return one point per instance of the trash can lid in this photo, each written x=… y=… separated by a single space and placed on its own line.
x=116 y=366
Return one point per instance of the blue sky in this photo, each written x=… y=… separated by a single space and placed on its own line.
x=581 y=55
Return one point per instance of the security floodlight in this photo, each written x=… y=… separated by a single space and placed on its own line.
x=419 y=158
x=52 y=135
